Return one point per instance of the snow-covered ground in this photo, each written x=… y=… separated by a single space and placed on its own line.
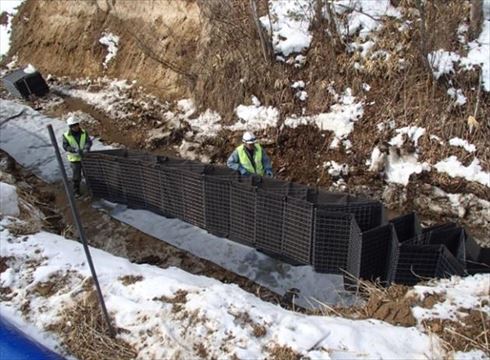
x=460 y=294
x=166 y=313
x=225 y=319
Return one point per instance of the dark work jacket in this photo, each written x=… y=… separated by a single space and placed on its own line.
x=76 y=135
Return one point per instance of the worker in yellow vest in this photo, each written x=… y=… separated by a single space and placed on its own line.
x=250 y=158
x=76 y=142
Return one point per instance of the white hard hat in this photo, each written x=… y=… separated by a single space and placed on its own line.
x=72 y=120
x=249 y=138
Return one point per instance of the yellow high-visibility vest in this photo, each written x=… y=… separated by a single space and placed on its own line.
x=73 y=143
x=247 y=164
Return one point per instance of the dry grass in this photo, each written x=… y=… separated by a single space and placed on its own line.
x=130 y=279
x=201 y=350
x=471 y=332
x=244 y=319
x=393 y=305
x=83 y=331
x=278 y=352
x=388 y=304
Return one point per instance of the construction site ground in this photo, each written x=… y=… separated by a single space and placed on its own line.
x=117 y=238
x=135 y=130
x=393 y=305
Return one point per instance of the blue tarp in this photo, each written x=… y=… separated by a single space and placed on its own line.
x=15 y=345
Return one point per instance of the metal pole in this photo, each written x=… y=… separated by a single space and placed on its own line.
x=76 y=218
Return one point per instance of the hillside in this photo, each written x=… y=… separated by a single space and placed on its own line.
x=341 y=94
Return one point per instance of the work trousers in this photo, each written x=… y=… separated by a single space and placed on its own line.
x=76 y=169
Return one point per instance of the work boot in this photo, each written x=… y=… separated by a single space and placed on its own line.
x=76 y=190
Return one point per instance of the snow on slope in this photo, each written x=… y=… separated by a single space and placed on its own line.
x=111 y=42
x=10 y=7
x=340 y=120
x=365 y=15
x=473 y=172
x=8 y=200
x=443 y=61
x=226 y=320
x=472 y=292
x=111 y=100
x=255 y=117
x=290 y=20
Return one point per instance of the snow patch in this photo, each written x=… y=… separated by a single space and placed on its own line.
x=298 y=84
x=365 y=16
x=290 y=20
x=335 y=169
x=340 y=120
x=460 y=293
x=110 y=41
x=473 y=172
x=457 y=95
x=442 y=62
x=479 y=50
x=187 y=107
x=255 y=117
x=399 y=167
x=377 y=161
x=206 y=124
x=412 y=132
x=462 y=143
x=110 y=100
x=30 y=69
x=9 y=201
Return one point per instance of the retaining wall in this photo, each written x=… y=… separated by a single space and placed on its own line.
x=333 y=232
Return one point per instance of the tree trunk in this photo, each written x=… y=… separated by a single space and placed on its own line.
x=263 y=42
x=476 y=17
x=423 y=33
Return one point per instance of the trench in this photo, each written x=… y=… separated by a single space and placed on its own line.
x=105 y=233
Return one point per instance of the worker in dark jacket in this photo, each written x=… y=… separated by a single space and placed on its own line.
x=76 y=142
x=250 y=158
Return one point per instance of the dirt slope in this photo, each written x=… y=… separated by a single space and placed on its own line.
x=62 y=38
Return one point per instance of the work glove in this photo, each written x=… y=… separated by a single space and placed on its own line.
x=268 y=173
x=71 y=150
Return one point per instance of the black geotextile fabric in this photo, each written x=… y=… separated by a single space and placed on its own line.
x=333 y=232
